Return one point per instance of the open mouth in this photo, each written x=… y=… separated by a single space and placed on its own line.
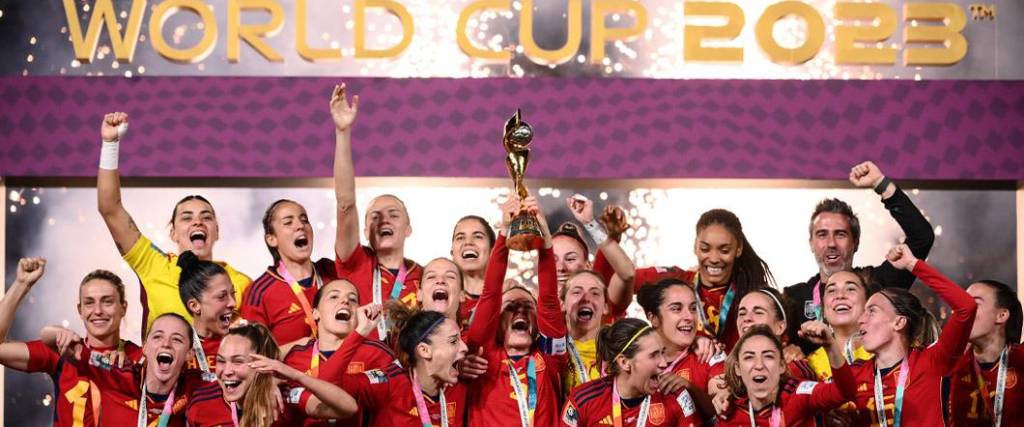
x=198 y=238
x=520 y=325
x=343 y=315
x=685 y=328
x=227 y=317
x=231 y=385
x=440 y=295
x=100 y=322
x=759 y=379
x=585 y=314
x=714 y=271
x=164 y=360
x=386 y=232
x=842 y=308
x=301 y=242
x=470 y=254
x=832 y=258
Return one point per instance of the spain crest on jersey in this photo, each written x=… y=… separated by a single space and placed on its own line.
x=657 y=414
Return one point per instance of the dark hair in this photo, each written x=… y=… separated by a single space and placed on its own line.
x=491 y=238
x=650 y=297
x=869 y=285
x=409 y=328
x=620 y=339
x=921 y=328
x=195 y=275
x=1006 y=298
x=108 y=276
x=840 y=207
x=174 y=212
x=733 y=378
x=320 y=292
x=778 y=302
x=191 y=336
x=749 y=271
x=268 y=226
x=570 y=230
x=260 y=399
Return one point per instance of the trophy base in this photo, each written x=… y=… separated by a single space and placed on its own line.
x=524 y=233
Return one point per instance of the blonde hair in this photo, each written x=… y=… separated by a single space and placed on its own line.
x=260 y=400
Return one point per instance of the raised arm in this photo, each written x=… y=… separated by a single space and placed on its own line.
x=919 y=233
x=336 y=366
x=344 y=115
x=327 y=400
x=606 y=235
x=16 y=355
x=488 y=310
x=108 y=185
x=954 y=337
x=550 y=321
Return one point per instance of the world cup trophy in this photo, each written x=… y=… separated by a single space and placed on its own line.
x=524 y=232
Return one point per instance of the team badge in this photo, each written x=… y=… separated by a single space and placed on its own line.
x=570 y=416
x=684 y=373
x=355 y=368
x=376 y=376
x=806 y=387
x=810 y=309
x=656 y=413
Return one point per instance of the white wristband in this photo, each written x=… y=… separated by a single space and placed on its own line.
x=108 y=155
x=596 y=232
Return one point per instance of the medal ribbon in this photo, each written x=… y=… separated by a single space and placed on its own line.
x=234 y=414
x=777 y=419
x=817 y=301
x=997 y=409
x=582 y=373
x=898 y=401
x=527 y=404
x=300 y=293
x=645 y=407
x=378 y=297
x=421 y=404
x=314 y=362
x=723 y=314
x=165 y=414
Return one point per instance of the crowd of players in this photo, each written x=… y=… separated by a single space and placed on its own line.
x=372 y=338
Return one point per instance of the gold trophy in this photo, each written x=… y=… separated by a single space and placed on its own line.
x=524 y=232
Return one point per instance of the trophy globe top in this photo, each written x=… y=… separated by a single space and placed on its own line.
x=518 y=134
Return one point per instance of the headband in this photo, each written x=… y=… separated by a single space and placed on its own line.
x=778 y=304
x=630 y=342
x=429 y=330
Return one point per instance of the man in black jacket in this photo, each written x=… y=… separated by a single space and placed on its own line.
x=835 y=236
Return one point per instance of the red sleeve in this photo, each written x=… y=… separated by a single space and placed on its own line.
x=824 y=396
x=644 y=276
x=488 y=310
x=944 y=354
x=336 y=365
x=41 y=358
x=360 y=256
x=370 y=389
x=603 y=267
x=571 y=416
x=377 y=358
x=549 y=314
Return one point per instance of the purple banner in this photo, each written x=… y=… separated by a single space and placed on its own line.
x=585 y=127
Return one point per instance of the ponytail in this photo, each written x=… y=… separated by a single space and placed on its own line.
x=195 y=275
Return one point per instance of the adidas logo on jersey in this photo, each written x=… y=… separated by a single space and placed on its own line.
x=863 y=387
x=294 y=308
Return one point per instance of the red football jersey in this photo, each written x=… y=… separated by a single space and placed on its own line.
x=467 y=307
x=710 y=298
x=590 y=405
x=210 y=348
x=967 y=405
x=271 y=301
x=493 y=398
x=76 y=395
x=121 y=389
x=800 y=402
x=922 y=401
x=696 y=372
x=207 y=408
x=370 y=354
x=359 y=267
x=387 y=397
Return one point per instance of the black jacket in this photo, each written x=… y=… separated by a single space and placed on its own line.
x=920 y=238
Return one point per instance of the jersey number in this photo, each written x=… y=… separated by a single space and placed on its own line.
x=76 y=396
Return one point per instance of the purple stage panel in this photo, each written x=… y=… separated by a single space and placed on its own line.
x=585 y=128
